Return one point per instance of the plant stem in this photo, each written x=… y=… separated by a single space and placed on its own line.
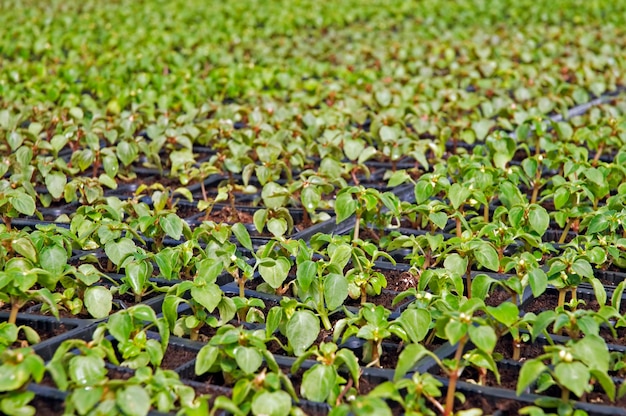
x=15 y=307
x=324 y=316
x=564 y=394
x=357 y=226
x=363 y=295
x=536 y=185
x=561 y=301
x=596 y=158
x=566 y=230
x=574 y=295
x=458 y=226
x=468 y=279
x=194 y=333
x=516 y=349
x=454 y=376
x=486 y=213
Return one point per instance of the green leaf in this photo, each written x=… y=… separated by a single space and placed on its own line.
x=25 y=247
x=345 y=206
x=561 y=196
x=440 y=219
x=539 y=219
x=276 y=274
x=207 y=356
x=335 y=290
x=416 y=323
x=98 y=301
x=172 y=225
x=13 y=377
x=302 y=330
x=277 y=403
x=248 y=359
x=454 y=263
x=483 y=337
x=277 y=226
x=486 y=256
x=86 y=370
x=242 y=235
x=86 y=398
x=53 y=259
x=409 y=357
x=207 y=295
x=117 y=252
x=598 y=224
x=133 y=401
x=507 y=313
x=538 y=281
x=481 y=128
x=458 y=194
x=341 y=256
x=306 y=273
x=573 y=376
x=318 y=382
x=530 y=372
x=311 y=198
x=274 y=195
x=55 y=182
x=23 y=203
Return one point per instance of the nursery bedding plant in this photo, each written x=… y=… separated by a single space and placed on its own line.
x=312 y=101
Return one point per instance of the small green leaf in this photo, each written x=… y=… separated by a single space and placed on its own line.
x=318 y=382
x=484 y=337
x=530 y=372
x=248 y=359
x=242 y=235
x=133 y=400
x=335 y=290
x=277 y=403
x=573 y=376
x=302 y=330
x=172 y=224
x=207 y=356
x=276 y=274
x=416 y=323
x=98 y=301
x=23 y=203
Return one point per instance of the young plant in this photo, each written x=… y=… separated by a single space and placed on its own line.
x=20 y=283
x=415 y=395
x=14 y=202
x=372 y=325
x=459 y=326
x=205 y=297
x=366 y=205
x=363 y=280
x=569 y=270
x=323 y=382
x=19 y=367
x=574 y=367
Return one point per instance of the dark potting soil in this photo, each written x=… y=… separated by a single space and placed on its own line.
x=385 y=299
x=497 y=296
x=175 y=356
x=398 y=280
x=47 y=406
x=504 y=347
x=508 y=377
x=549 y=301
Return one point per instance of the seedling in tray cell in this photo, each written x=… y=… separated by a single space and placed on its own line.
x=323 y=382
x=203 y=296
x=574 y=368
x=19 y=367
x=366 y=205
x=371 y=324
